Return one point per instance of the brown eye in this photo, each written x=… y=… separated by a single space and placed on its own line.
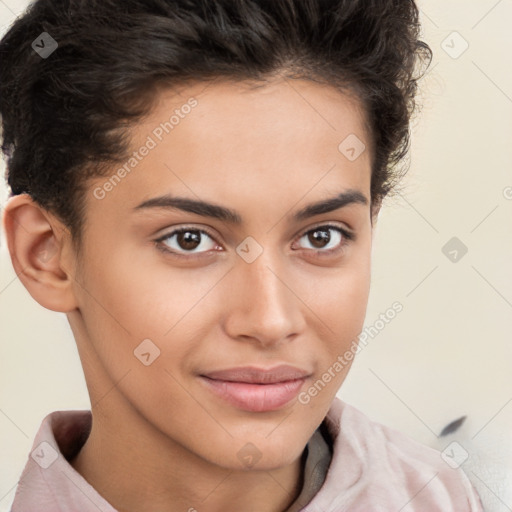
x=187 y=240
x=326 y=239
x=319 y=237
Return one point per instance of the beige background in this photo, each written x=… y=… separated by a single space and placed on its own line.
x=448 y=353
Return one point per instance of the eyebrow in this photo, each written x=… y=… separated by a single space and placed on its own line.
x=206 y=209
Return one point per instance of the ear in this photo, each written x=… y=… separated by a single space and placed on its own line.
x=38 y=244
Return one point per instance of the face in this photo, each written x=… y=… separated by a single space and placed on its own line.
x=221 y=333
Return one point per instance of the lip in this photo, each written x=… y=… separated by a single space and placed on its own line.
x=254 y=389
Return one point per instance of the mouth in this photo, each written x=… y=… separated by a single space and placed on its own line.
x=256 y=390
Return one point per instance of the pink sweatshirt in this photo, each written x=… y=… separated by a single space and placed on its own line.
x=373 y=469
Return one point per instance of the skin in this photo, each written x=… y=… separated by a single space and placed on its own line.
x=160 y=440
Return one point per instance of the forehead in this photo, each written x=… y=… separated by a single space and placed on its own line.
x=277 y=112
x=233 y=142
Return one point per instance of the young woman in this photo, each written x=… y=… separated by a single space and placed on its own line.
x=195 y=183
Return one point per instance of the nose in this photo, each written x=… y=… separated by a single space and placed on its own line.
x=262 y=306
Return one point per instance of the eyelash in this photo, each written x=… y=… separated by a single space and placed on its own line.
x=347 y=238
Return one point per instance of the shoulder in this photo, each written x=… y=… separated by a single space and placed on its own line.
x=48 y=482
x=392 y=467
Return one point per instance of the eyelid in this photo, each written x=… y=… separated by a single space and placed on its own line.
x=348 y=237
x=346 y=231
x=180 y=228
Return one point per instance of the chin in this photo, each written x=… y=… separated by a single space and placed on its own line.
x=264 y=452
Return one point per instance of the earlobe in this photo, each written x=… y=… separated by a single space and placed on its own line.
x=35 y=240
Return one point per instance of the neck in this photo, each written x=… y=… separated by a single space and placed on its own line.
x=136 y=467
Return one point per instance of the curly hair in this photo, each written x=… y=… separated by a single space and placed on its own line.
x=65 y=118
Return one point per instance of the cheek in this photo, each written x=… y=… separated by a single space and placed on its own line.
x=348 y=302
x=340 y=306
x=339 y=301
x=128 y=302
x=340 y=296
x=121 y=307
x=133 y=324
